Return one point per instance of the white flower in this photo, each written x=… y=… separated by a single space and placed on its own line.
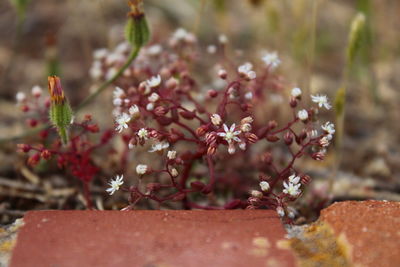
x=180 y=34
x=211 y=49
x=242 y=146
x=20 y=96
x=321 y=100
x=115 y=184
x=143 y=134
x=216 y=119
x=100 y=53
x=248 y=95
x=296 y=92
x=36 y=91
x=264 y=185
x=171 y=154
x=302 y=114
x=246 y=127
x=154 y=50
x=223 y=39
x=294 y=179
x=134 y=111
x=313 y=133
x=174 y=172
x=280 y=211
x=291 y=189
x=153 y=97
x=329 y=128
x=159 y=146
x=256 y=193
x=231 y=148
x=95 y=70
x=230 y=133
x=117 y=102
x=271 y=60
x=141 y=169
x=154 y=81
x=118 y=92
x=324 y=141
x=122 y=122
x=150 y=106
x=247 y=70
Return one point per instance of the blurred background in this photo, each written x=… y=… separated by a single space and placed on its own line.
x=311 y=36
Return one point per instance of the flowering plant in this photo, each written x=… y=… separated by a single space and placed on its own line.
x=221 y=146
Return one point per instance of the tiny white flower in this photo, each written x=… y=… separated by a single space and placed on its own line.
x=296 y=92
x=154 y=81
x=329 y=128
x=122 y=122
x=211 y=49
x=271 y=60
x=115 y=184
x=280 y=211
x=294 y=179
x=247 y=70
x=231 y=148
x=36 y=91
x=171 y=154
x=242 y=146
x=100 y=53
x=291 y=189
x=117 y=102
x=248 y=95
x=153 y=97
x=321 y=100
x=179 y=34
x=174 y=172
x=302 y=114
x=222 y=39
x=159 y=146
x=154 y=50
x=150 y=106
x=216 y=119
x=256 y=193
x=20 y=96
x=141 y=169
x=118 y=92
x=246 y=127
x=95 y=70
x=313 y=133
x=230 y=134
x=264 y=185
x=324 y=141
x=143 y=134
x=134 y=111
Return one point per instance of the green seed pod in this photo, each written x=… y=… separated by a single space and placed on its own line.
x=137 y=31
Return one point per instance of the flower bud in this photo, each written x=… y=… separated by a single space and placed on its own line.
x=288 y=137
x=136 y=30
x=60 y=110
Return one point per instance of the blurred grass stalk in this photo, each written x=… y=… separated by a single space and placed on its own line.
x=20 y=8
x=355 y=42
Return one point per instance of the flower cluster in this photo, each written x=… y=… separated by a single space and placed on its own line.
x=191 y=142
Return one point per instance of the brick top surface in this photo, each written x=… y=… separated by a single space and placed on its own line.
x=151 y=238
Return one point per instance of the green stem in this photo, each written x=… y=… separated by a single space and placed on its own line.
x=105 y=84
